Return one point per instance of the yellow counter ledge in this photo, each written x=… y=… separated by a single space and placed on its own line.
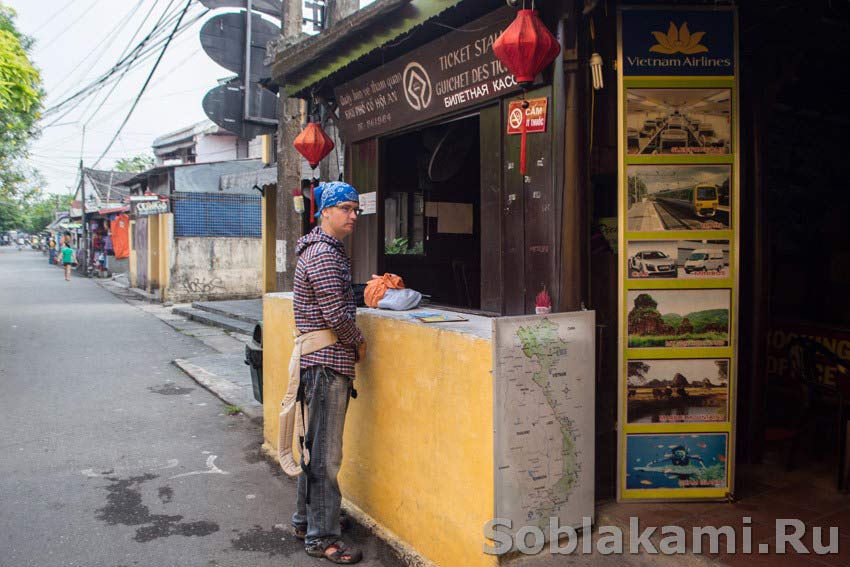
x=418 y=447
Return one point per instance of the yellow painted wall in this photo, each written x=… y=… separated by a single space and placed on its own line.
x=134 y=271
x=153 y=252
x=165 y=226
x=418 y=447
x=269 y=231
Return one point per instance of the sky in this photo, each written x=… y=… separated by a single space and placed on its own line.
x=693 y=369
x=76 y=42
x=70 y=52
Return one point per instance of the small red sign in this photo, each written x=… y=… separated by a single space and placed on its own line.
x=535 y=116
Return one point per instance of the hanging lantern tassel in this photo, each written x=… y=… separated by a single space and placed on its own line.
x=522 y=136
x=526 y=47
x=313 y=200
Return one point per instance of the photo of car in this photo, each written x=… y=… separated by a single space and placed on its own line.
x=677 y=259
x=653 y=262
x=705 y=260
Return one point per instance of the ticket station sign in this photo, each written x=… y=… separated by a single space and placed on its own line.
x=535 y=116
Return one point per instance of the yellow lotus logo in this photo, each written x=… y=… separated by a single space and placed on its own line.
x=678 y=41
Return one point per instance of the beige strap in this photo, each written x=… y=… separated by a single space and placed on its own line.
x=304 y=344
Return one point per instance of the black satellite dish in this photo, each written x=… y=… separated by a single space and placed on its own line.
x=223 y=39
x=450 y=154
x=270 y=7
x=224 y=105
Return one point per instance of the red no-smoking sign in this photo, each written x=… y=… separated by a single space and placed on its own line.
x=535 y=116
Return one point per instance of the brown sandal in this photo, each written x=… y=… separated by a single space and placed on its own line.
x=336 y=552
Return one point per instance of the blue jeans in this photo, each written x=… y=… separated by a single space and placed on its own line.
x=326 y=395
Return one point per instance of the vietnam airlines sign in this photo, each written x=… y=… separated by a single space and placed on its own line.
x=673 y=42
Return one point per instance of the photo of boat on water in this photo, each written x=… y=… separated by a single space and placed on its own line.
x=692 y=390
x=684 y=461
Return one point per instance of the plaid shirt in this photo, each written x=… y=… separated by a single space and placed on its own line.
x=324 y=300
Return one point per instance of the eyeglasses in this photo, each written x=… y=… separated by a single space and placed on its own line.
x=348 y=210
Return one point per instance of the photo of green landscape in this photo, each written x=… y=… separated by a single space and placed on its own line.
x=678 y=318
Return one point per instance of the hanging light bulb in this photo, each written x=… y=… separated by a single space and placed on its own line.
x=596 y=71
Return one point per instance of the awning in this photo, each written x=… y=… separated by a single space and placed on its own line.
x=366 y=39
x=111 y=210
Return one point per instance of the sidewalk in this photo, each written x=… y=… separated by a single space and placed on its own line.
x=225 y=374
x=764 y=492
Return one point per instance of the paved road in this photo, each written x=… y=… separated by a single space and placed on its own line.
x=110 y=456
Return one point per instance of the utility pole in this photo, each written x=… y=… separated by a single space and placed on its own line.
x=339 y=9
x=83 y=209
x=288 y=229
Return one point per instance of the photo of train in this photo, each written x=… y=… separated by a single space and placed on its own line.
x=702 y=197
x=678 y=121
x=678 y=197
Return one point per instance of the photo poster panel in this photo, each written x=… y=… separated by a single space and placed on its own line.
x=678 y=252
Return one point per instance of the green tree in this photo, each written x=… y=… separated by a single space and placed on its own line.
x=638 y=370
x=40 y=211
x=20 y=101
x=134 y=164
x=11 y=217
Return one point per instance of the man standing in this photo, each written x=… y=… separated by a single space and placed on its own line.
x=324 y=300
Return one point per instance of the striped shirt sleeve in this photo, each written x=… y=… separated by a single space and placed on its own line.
x=329 y=279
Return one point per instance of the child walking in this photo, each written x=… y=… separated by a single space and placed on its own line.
x=67 y=259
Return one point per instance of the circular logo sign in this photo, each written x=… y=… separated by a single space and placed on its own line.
x=417 y=86
x=515 y=118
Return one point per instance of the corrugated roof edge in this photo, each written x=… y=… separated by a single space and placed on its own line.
x=411 y=14
x=162 y=168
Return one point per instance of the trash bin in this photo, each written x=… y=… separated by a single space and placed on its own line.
x=254 y=360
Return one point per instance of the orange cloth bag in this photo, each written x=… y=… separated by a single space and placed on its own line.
x=120 y=228
x=378 y=286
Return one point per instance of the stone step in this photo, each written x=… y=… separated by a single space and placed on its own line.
x=247 y=310
x=145 y=295
x=215 y=320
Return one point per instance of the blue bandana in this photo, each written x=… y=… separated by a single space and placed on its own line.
x=334 y=193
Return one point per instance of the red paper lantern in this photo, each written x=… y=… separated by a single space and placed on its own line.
x=526 y=47
x=313 y=144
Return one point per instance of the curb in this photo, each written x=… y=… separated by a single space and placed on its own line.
x=406 y=554
x=222 y=389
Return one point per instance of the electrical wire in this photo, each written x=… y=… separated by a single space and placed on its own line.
x=71 y=25
x=135 y=55
x=123 y=23
x=95 y=87
x=114 y=86
x=97 y=84
x=147 y=82
x=53 y=17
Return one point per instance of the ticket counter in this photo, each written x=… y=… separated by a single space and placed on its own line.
x=418 y=447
